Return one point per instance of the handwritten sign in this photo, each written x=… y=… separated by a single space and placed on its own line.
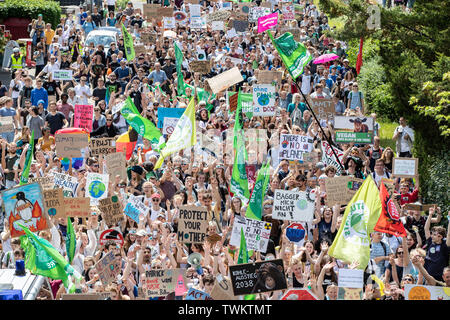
x=329 y=158
x=116 y=164
x=288 y=12
x=135 y=208
x=256 y=232
x=294 y=146
x=151 y=10
x=97 y=186
x=340 y=190
x=351 y=278
x=108 y=268
x=221 y=15
x=192 y=224
x=405 y=167
x=83 y=116
x=69 y=145
x=194 y=294
x=148 y=37
x=293 y=205
x=67 y=182
x=225 y=80
x=269 y=77
x=6 y=124
x=54 y=202
x=323 y=108
x=62 y=75
x=102 y=146
x=158 y=283
x=257 y=12
x=111 y=209
x=240 y=25
x=77 y=207
x=46 y=182
x=264 y=100
x=202 y=67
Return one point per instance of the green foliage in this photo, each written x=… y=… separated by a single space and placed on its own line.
x=121 y=4
x=386 y=132
x=51 y=10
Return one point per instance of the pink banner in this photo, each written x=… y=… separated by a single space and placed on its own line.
x=267 y=22
x=83 y=117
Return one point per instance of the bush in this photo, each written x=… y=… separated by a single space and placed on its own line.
x=51 y=10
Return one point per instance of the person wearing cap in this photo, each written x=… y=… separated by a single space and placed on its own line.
x=155 y=208
x=17 y=62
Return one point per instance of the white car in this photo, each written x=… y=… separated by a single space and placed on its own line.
x=104 y=37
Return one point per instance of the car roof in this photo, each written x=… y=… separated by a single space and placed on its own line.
x=102 y=32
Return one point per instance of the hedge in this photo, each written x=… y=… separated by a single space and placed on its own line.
x=51 y=10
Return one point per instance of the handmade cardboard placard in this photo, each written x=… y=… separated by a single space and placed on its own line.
x=340 y=190
x=223 y=288
x=158 y=283
x=102 y=146
x=135 y=208
x=25 y=205
x=108 y=268
x=46 y=182
x=202 y=67
x=269 y=77
x=419 y=207
x=258 y=277
x=192 y=224
x=165 y=12
x=194 y=294
x=353 y=129
x=77 y=207
x=351 y=278
x=225 y=80
x=6 y=124
x=405 y=167
x=257 y=233
x=54 y=201
x=116 y=164
x=139 y=49
x=323 y=108
x=345 y=293
x=69 y=145
x=62 y=75
x=221 y=15
x=151 y=10
x=111 y=209
x=293 y=205
x=83 y=116
x=67 y=182
x=263 y=100
x=148 y=37
x=419 y=292
x=232 y=101
x=217 y=25
x=96 y=186
x=294 y=146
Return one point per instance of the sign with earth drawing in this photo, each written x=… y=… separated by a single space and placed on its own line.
x=263 y=100
x=96 y=187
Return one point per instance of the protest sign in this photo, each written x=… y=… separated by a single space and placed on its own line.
x=111 y=209
x=217 y=25
x=158 y=283
x=299 y=294
x=78 y=207
x=83 y=116
x=151 y=10
x=323 y=108
x=340 y=190
x=419 y=292
x=351 y=278
x=267 y=22
x=67 y=182
x=293 y=205
x=46 y=182
x=169 y=23
x=69 y=145
x=169 y=125
x=135 y=208
x=256 y=232
x=349 y=293
x=294 y=146
x=240 y=25
x=263 y=100
x=198 y=23
x=168 y=112
x=102 y=146
x=244 y=7
x=221 y=15
x=288 y=12
x=6 y=124
x=257 y=12
x=223 y=288
x=180 y=17
x=419 y=207
x=25 y=205
x=195 y=10
x=97 y=186
x=148 y=37
x=194 y=294
x=139 y=49
x=116 y=164
x=225 y=80
x=294 y=31
x=296 y=232
x=62 y=75
x=269 y=77
x=192 y=224
x=405 y=167
x=165 y=12
x=202 y=67
x=353 y=129
x=233 y=100
x=329 y=159
x=258 y=277
x=111 y=235
x=108 y=268
x=54 y=202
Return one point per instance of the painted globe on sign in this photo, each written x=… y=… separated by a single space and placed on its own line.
x=263 y=100
x=302 y=204
x=52 y=212
x=97 y=189
x=357 y=223
x=284 y=144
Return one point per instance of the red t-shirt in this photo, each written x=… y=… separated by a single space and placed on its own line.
x=409 y=197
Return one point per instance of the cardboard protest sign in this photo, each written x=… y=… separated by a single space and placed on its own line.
x=69 y=145
x=217 y=25
x=340 y=190
x=192 y=224
x=349 y=293
x=168 y=112
x=116 y=164
x=263 y=100
x=232 y=100
x=202 y=67
x=96 y=186
x=223 y=288
x=111 y=209
x=83 y=116
x=419 y=207
x=294 y=31
x=269 y=77
x=353 y=129
x=67 y=182
x=293 y=205
x=108 y=268
x=225 y=80
x=240 y=26
x=221 y=15
x=288 y=12
x=165 y=12
x=6 y=124
x=258 y=277
x=328 y=157
x=102 y=146
x=418 y=292
x=158 y=283
x=198 y=23
x=148 y=37
x=256 y=232
x=111 y=235
x=257 y=12
x=351 y=278
x=405 y=167
x=46 y=182
x=77 y=207
x=299 y=294
x=294 y=146
x=54 y=202
x=25 y=205
x=169 y=125
x=169 y=23
x=139 y=49
x=62 y=75
x=135 y=208
x=323 y=108
x=151 y=10
x=194 y=294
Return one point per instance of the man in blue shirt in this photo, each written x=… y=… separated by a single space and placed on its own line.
x=82 y=16
x=158 y=75
x=123 y=74
x=339 y=106
x=39 y=93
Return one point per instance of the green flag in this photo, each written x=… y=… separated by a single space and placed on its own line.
x=243 y=253
x=254 y=209
x=143 y=126
x=178 y=64
x=28 y=159
x=128 y=44
x=294 y=55
x=41 y=258
x=352 y=242
x=71 y=240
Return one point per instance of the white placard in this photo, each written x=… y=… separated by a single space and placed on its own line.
x=195 y=10
x=217 y=25
x=169 y=23
x=198 y=23
x=294 y=146
x=257 y=233
x=231 y=33
x=405 y=167
x=351 y=278
x=169 y=125
x=97 y=187
x=264 y=100
x=135 y=208
x=67 y=182
x=293 y=205
x=61 y=75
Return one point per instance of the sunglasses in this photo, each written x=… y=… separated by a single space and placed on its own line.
x=155 y=200
x=407 y=279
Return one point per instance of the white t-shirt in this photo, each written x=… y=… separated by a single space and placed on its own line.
x=79 y=90
x=306 y=84
x=111 y=2
x=49 y=68
x=16 y=93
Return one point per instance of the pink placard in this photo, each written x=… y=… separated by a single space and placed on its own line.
x=83 y=116
x=267 y=22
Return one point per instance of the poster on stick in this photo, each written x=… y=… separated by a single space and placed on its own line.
x=293 y=205
x=192 y=224
x=405 y=167
x=256 y=232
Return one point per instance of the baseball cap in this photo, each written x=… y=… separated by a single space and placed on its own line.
x=320 y=165
x=156 y=195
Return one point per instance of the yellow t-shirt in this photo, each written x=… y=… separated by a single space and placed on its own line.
x=46 y=143
x=49 y=36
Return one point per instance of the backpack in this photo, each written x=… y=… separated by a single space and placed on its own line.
x=351 y=95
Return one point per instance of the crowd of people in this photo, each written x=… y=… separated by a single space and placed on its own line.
x=105 y=77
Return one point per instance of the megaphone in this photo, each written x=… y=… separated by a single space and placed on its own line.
x=194 y=260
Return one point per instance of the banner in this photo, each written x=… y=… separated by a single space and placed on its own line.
x=128 y=44
x=353 y=129
x=168 y=112
x=267 y=22
x=288 y=12
x=54 y=202
x=62 y=75
x=83 y=117
x=294 y=146
x=389 y=221
x=78 y=207
x=192 y=224
x=328 y=157
x=293 y=205
x=340 y=190
x=111 y=209
x=135 y=208
x=256 y=232
x=116 y=164
x=264 y=100
x=96 y=186
x=69 y=145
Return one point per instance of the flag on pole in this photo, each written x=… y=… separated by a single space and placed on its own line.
x=359 y=61
x=128 y=44
x=41 y=258
x=352 y=242
x=389 y=221
x=178 y=64
x=243 y=253
x=126 y=142
x=71 y=241
x=184 y=135
x=28 y=159
x=295 y=56
x=254 y=209
x=107 y=97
